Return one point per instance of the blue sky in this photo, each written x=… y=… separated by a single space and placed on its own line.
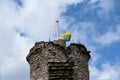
x=94 y=23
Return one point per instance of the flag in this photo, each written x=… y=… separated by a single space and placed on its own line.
x=66 y=36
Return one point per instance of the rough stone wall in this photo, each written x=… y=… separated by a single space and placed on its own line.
x=80 y=58
x=44 y=52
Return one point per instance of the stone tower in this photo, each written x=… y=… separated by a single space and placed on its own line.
x=54 y=61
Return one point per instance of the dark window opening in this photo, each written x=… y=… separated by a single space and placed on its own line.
x=60 y=70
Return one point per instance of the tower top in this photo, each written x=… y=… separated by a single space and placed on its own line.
x=60 y=44
x=54 y=61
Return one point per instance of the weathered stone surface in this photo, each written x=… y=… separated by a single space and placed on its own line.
x=44 y=53
x=60 y=42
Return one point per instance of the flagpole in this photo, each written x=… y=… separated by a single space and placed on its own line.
x=57 y=28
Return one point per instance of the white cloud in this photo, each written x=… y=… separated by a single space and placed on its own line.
x=105 y=8
x=110 y=36
x=83 y=31
x=106 y=5
x=108 y=72
x=37 y=19
x=13 y=59
x=93 y=1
